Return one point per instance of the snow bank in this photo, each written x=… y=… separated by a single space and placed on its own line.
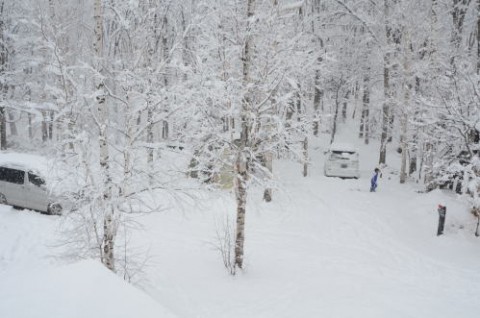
x=85 y=289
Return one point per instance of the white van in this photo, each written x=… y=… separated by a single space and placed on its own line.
x=341 y=160
x=25 y=188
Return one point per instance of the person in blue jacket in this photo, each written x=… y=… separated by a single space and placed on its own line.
x=373 y=181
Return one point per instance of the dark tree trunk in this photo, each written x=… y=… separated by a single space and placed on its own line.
x=44 y=126
x=345 y=106
x=3 y=87
x=386 y=88
x=50 y=124
x=30 y=126
x=365 y=122
x=3 y=129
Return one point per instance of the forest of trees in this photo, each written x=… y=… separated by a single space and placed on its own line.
x=104 y=86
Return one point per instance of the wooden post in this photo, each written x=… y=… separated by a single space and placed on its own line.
x=442 y=211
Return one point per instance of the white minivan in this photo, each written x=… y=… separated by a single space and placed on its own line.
x=341 y=160
x=25 y=188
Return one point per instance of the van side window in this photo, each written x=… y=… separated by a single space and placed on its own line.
x=35 y=180
x=3 y=174
x=12 y=175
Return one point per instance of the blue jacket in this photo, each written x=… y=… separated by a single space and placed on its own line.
x=374 y=179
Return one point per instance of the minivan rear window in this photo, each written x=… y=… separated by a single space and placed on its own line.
x=343 y=155
x=12 y=175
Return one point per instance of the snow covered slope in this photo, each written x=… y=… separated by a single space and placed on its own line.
x=34 y=285
x=325 y=247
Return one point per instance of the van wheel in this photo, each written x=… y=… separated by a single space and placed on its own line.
x=3 y=200
x=55 y=209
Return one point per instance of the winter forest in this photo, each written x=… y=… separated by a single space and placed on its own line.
x=156 y=113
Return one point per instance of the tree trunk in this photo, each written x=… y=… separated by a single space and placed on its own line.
x=459 y=12
x=109 y=226
x=30 y=126
x=335 y=114
x=386 y=89
x=149 y=132
x=305 y=157
x=365 y=122
x=3 y=68
x=50 y=124
x=478 y=37
x=44 y=126
x=403 y=145
x=241 y=157
x=3 y=129
x=241 y=197
x=268 y=163
x=12 y=124
x=345 y=106
x=318 y=95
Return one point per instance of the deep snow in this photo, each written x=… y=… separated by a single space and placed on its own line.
x=325 y=247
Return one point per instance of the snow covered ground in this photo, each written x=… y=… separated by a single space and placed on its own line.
x=325 y=247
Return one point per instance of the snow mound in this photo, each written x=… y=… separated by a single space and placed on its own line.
x=84 y=289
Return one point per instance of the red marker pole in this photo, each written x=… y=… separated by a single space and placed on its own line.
x=442 y=211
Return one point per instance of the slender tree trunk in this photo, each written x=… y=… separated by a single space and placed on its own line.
x=241 y=157
x=345 y=106
x=317 y=99
x=478 y=37
x=3 y=87
x=305 y=157
x=459 y=11
x=413 y=149
x=30 y=126
x=428 y=162
x=386 y=88
x=241 y=197
x=365 y=122
x=44 y=126
x=318 y=94
x=109 y=226
x=335 y=115
x=150 y=132
x=268 y=163
x=12 y=124
x=403 y=145
x=3 y=129
x=50 y=124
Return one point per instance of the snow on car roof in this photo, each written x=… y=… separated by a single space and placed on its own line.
x=34 y=163
x=346 y=147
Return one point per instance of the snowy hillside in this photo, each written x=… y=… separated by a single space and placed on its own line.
x=324 y=247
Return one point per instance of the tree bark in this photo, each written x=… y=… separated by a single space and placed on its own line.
x=305 y=157
x=3 y=129
x=30 y=126
x=335 y=114
x=365 y=122
x=3 y=68
x=268 y=163
x=345 y=106
x=109 y=226
x=44 y=126
x=13 y=125
x=241 y=157
x=478 y=37
x=386 y=88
